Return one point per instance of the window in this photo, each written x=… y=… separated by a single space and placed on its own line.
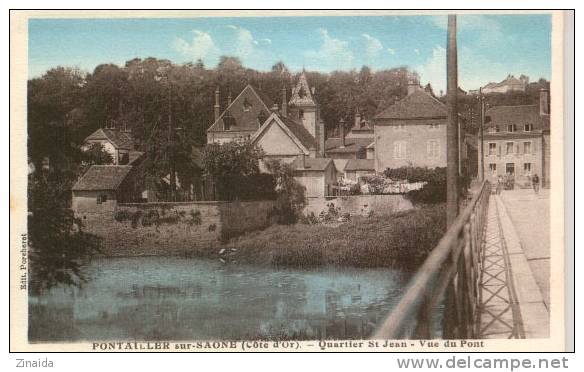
x=528 y=127
x=399 y=149
x=124 y=158
x=301 y=114
x=494 y=129
x=510 y=147
x=399 y=127
x=434 y=126
x=433 y=149
x=493 y=169
x=492 y=148
x=101 y=198
x=246 y=105
x=228 y=121
x=527 y=147
x=527 y=169
x=510 y=168
x=511 y=128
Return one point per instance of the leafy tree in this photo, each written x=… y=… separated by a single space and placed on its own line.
x=291 y=198
x=95 y=154
x=59 y=247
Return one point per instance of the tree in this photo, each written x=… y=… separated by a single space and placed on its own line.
x=291 y=198
x=95 y=154
x=59 y=248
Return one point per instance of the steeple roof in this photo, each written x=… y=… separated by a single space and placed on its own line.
x=301 y=94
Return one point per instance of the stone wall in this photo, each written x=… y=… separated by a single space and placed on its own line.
x=357 y=204
x=173 y=228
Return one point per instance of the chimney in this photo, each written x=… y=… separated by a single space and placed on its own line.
x=216 y=107
x=275 y=107
x=312 y=151
x=342 y=132
x=357 y=120
x=544 y=103
x=321 y=139
x=229 y=99
x=284 y=103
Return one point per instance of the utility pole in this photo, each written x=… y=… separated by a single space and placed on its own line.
x=452 y=147
x=481 y=133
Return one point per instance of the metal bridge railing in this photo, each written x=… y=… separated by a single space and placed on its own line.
x=448 y=280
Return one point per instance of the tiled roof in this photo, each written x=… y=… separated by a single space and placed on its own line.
x=360 y=165
x=102 y=177
x=333 y=145
x=417 y=105
x=135 y=156
x=300 y=132
x=301 y=94
x=118 y=138
x=311 y=164
x=244 y=120
x=519 y=115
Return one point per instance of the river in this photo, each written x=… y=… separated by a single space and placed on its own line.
x=156 y=298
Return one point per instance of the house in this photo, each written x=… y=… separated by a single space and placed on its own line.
x=102 y=187
x=118 y=143
x=516 y=141
x=317 y=175
x=242 y=118
x=510 y=84
x=355 y=169
x=411 y=132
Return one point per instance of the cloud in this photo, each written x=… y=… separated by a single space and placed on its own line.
x=391 y=51
x=433 y=71
x=486 y=30
x=333 y=54
x=201 y=47
x=417 y=51
x=267 y=41
x=372 y=46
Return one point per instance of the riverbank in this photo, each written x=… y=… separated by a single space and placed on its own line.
x=402 y=239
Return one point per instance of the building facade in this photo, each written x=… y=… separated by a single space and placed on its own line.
x=516 y=142
x=411 y=132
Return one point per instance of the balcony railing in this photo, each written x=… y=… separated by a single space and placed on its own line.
x=447 y=282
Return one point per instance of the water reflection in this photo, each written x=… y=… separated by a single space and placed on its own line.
x=155 y=298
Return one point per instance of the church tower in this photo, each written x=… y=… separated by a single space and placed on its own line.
x=303 y=107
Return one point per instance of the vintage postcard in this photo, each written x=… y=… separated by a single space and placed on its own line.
x=286 y=181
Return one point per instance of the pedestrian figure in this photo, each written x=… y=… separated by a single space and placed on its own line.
x=499 y=184
x=535 y=183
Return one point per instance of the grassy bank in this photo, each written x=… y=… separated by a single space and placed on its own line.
x=402 y=239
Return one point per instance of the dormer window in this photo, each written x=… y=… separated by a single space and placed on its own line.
x=511 y=128
x=528 y=127
x=246 y=105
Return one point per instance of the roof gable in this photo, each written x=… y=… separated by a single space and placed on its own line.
x=119 y=139
x=301 y=93
x=295 y=131
x=418 y=105
x=245 y=111
x=102 y=177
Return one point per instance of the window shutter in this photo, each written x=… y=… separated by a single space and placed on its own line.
x=428 y=149
x=535 y=147
x=499 y=150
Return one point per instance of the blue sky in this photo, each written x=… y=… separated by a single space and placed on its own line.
x=489 y=46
